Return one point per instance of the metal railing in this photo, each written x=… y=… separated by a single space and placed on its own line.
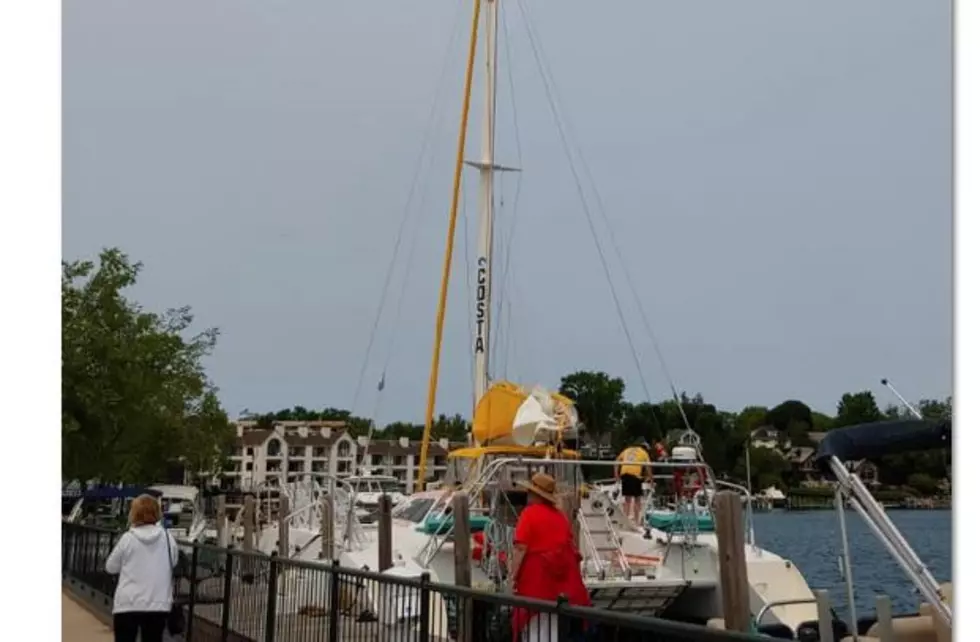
x=236 y=596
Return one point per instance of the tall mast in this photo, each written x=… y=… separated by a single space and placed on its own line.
x=487 y=167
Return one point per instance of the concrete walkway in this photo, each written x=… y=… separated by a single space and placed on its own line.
x=78 y=625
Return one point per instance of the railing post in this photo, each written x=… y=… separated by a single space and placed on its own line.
x=333 y=635
x=87 y=556
x=564 y=628
x=424 y=600
x=191 y=594
x=226 y=597
x=270 y=600
x=76 y=545
x=65 y=545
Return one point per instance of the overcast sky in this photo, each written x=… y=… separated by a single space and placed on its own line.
x=777 y=175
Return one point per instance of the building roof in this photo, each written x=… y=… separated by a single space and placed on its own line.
x=799 y=455
x=251 y=423
x=395 y=447
x=253 y=437
x=314 y=439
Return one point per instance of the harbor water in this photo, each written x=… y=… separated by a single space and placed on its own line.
x=811 y=539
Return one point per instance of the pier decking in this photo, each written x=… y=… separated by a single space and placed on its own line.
x=79 y=625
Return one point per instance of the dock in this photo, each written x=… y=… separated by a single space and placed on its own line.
x=78 y=624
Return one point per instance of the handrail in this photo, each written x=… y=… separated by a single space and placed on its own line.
x=768 y=606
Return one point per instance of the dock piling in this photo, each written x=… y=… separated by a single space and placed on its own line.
x=729 y=527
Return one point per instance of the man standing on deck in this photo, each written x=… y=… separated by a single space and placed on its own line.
x=631 y=473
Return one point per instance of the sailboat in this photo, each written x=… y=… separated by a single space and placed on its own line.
x=516 y=431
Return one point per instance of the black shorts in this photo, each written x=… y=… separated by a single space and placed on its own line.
x=632 y=486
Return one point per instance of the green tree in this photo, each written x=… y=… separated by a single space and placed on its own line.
x=794 y=419
x=642 y=421
x=768 y=468
x=598 y=399
x=454 y=428
x=822 y=422
x=857 y=408
x=923 y=484
x=135 y=397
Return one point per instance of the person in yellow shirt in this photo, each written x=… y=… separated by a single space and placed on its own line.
x=631 y=473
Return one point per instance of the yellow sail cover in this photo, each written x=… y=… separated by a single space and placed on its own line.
x=493 y=420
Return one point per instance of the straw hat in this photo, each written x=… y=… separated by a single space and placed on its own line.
x=542 y=485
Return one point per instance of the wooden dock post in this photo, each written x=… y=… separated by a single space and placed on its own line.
x=326 y=529
x=384 y=532
x=283 y=527
x=462 y=551
x=462 y=539
x=569 y=503
x=734 y=576
x=248 y=523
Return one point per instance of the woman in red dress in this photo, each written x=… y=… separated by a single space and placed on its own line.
x=546 y=561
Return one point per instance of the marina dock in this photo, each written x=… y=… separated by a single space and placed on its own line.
x=78 y=624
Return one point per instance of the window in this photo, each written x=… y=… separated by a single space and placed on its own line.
x=319 y=466
x=296 y=466
x=249 y=452
x=274 y=449
x=413 y=511
x=377 y=460
x=343 y=449
x=274 y=466
x=297 y=451
x=319 y=452
x=868 y=474
x=399 y=460
x=248 y=465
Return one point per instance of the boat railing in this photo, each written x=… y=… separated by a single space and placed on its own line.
x=473 y=491
x=768 y=606
x=592 y=549
x=492 y=470
x=306 y=507
x=711 y=486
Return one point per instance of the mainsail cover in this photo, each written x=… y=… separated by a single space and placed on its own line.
x=873 y=440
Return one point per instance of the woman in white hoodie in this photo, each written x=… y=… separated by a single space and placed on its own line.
x=144 y=559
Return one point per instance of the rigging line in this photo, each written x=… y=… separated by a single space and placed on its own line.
x=616 y=248
x=426 y=137
x=582 y=198
x=508 y=244
x=413 y=244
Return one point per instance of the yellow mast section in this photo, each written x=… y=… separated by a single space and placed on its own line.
x=447 y=261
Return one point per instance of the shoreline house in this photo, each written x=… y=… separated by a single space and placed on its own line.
x=803 y=464
x=771 y=438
